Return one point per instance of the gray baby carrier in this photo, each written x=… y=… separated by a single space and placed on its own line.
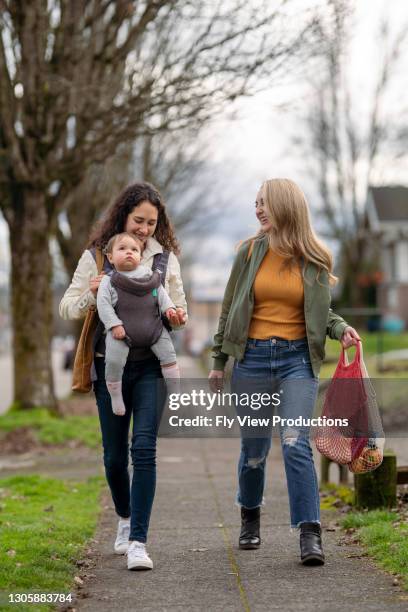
x=160 y=262
x=138 y=308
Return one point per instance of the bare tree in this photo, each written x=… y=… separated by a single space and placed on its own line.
x=174 y=162
x=179 y=164
x=344 y=151
x=78 y=79
x=84 y=204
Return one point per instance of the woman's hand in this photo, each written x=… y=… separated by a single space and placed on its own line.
x=118 y=332
x=95 y=282
x=216 y=378
x=349 y=337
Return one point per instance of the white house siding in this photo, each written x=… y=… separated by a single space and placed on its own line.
x=401 y=261
x=387 y=263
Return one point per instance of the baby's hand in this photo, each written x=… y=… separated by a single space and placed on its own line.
x=118 y=332
x=171 y=314
x=182 y=316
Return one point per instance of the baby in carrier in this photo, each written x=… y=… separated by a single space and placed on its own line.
x=130 y=303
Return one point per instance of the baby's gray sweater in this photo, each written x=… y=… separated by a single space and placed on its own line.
x=107 y=296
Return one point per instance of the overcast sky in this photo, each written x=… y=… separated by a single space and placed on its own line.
x=258 y=144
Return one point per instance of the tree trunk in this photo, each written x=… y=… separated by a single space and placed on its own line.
x=31 y=270
x=353 y=261
x=378 y=489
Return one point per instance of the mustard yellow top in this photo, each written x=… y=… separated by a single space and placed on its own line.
x=278 y=300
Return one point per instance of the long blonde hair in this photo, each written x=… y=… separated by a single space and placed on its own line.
x=291 y=234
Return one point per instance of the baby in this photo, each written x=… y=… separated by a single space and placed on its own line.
x=130 y=303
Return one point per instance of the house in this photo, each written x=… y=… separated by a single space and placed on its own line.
x=387 y=219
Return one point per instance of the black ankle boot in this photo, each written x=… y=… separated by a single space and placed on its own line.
x=311 y=552
x=250 y=523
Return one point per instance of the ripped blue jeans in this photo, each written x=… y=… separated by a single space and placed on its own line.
x=280 y=366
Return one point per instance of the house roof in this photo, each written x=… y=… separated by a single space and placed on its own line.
x=391 y=203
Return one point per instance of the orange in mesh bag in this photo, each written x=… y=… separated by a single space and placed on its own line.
x=353 y=432
x=368 y=460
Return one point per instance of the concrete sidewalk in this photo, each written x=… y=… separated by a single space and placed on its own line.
x=193 y=543
x=193 y=540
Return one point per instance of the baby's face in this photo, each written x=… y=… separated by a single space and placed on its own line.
x=125 y=254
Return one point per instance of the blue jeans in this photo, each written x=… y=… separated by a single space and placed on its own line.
x=141 y=394
x=277 y=365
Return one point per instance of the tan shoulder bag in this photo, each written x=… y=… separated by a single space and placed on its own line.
x=81 y=374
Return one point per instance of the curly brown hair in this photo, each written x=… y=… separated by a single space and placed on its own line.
x=114 y=220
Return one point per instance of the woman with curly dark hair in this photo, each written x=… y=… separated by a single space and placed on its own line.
x=138 y=210
x=143 y=197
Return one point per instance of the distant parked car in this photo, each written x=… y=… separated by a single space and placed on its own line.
x=69 y=357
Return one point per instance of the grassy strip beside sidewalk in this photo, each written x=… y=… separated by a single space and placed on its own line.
x=45 y=524
x=389 y=342
x=50 y=429
x=385 y=535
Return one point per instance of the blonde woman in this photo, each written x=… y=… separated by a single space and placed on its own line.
x=274 y=321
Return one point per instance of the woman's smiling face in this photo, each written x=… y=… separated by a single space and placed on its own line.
x=261 y=212
x=142 y=221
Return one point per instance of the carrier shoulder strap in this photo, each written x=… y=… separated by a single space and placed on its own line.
x=160 y=262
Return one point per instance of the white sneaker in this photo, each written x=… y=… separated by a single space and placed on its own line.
x=137 y=556
x=122 y=537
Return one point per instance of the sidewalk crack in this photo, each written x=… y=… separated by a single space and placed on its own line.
x=230 y=552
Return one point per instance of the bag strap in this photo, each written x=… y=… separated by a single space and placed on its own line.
x=358 y=357
x=99 y=258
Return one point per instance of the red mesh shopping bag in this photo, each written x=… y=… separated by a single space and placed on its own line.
x=344 y=434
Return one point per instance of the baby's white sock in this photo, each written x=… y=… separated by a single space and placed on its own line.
x=115 y=391
x=171 y=375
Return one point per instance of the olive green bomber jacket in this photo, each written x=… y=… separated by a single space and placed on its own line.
x=238 y=303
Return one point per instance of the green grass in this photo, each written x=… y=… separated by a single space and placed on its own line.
x=45 y=524
x=333 y=493
x=390 y=342
x=50 y=429
x=385 y=536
